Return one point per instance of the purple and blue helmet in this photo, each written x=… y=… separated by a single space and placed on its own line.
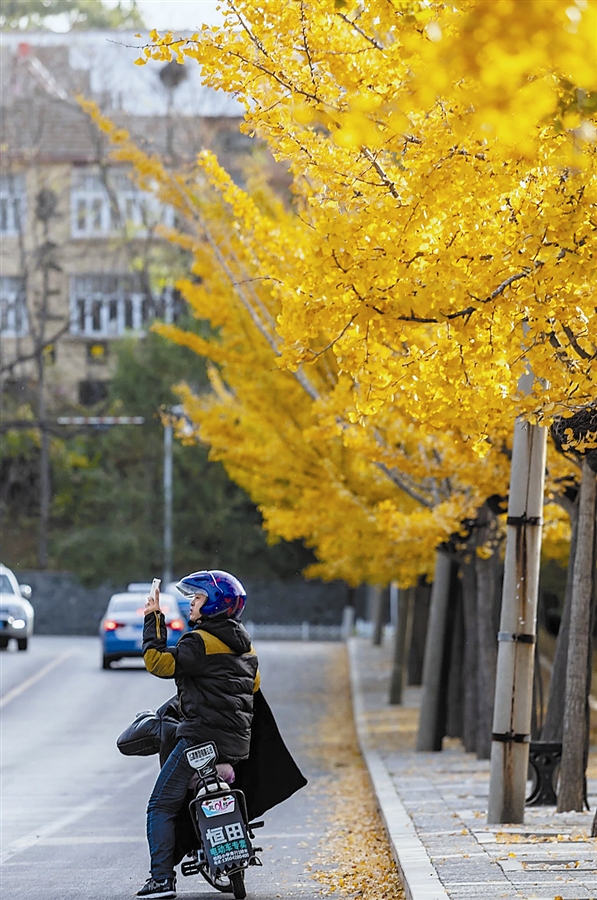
x=225 y=593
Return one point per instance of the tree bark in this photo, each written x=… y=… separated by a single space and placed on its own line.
x=401 y=640
x=488 y=577
x=594 y=826
x=45 y=489
x=571 y=788
x=554 y=715
x=376 y=607
x=44 y=495
x=420 y=619
x=428 y=738
x=470 y=665
x=455 y=698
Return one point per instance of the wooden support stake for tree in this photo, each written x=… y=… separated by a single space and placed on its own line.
x=518 y=624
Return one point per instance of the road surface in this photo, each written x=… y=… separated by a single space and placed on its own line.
x=73 y=808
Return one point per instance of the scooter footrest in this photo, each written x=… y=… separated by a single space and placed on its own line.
x=190 y=868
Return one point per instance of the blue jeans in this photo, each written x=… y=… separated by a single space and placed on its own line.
x=166 y=799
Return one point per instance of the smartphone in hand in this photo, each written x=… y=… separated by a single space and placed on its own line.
x=155 y=584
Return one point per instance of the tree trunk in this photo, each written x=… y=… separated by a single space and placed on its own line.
x=455 y=698
x=538 y=712
x=44 y=496
x=488 y=579
x=428 y=737
x=45 y=489
x=401 y=640
x=554 y=716
x=470 y=665
x=571 y=788
x=420 y=619
x=376 y=606
x=594 y=826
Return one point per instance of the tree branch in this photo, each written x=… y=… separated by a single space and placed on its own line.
x=382 y=174
x=305 y=44
x=574 y=343
x=354 y=25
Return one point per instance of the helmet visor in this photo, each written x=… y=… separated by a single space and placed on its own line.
x=188 y=591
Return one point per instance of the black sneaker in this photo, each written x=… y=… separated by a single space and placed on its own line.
x=166 y=887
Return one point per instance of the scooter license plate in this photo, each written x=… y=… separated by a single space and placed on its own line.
x=223 y=832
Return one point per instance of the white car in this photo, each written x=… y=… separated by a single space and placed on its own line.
x=16 y=613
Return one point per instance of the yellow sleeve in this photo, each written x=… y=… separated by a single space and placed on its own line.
x=159 y=662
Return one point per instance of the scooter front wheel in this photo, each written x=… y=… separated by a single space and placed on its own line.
x=237 y=880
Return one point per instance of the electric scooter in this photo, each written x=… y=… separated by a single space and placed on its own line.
x=224 y=834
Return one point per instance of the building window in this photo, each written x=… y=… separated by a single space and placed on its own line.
x=13 y=310
x=104 y=205
x=108 y=305
x=92 y=392
x=12 y=204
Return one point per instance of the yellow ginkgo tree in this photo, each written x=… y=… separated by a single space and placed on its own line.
x=442 y=247
x=444 y=159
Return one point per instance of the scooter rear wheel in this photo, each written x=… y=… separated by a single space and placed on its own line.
x=237 y=880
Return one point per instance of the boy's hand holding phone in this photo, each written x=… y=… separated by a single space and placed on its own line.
x=153 y=601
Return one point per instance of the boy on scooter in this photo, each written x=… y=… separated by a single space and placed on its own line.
x=216 y=673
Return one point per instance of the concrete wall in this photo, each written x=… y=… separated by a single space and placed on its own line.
x=63 y=606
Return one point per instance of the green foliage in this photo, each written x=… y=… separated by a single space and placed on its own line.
x=29 y=15
x=107 y=487
x=108 y=503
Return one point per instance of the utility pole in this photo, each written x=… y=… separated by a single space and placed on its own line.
x=167 y=476
x=167 y=570
x=183 y=422
x=518 y=624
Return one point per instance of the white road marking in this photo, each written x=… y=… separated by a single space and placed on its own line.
x=41 y=834
x=91 y=839
x=21 y=688
x=291 y=834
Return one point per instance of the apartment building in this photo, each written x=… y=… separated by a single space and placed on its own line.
x=79 y=250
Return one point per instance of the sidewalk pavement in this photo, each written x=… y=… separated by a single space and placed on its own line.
x=434 y=806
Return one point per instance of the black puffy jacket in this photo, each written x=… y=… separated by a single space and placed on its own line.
x=216 y=673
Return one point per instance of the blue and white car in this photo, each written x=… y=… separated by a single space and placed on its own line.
x=121 y=628
x=16 y=613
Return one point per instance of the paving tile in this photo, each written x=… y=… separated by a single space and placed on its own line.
x=437 y=803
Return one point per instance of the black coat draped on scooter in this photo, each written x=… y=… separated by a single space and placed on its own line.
x=267 y=777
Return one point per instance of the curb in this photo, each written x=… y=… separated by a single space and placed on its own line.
x=418 y=876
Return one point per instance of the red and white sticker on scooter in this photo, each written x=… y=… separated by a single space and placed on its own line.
x=218 y=806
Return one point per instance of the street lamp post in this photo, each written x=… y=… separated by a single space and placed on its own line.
x=167 y=572
x=174 y=412
x=167 y=475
